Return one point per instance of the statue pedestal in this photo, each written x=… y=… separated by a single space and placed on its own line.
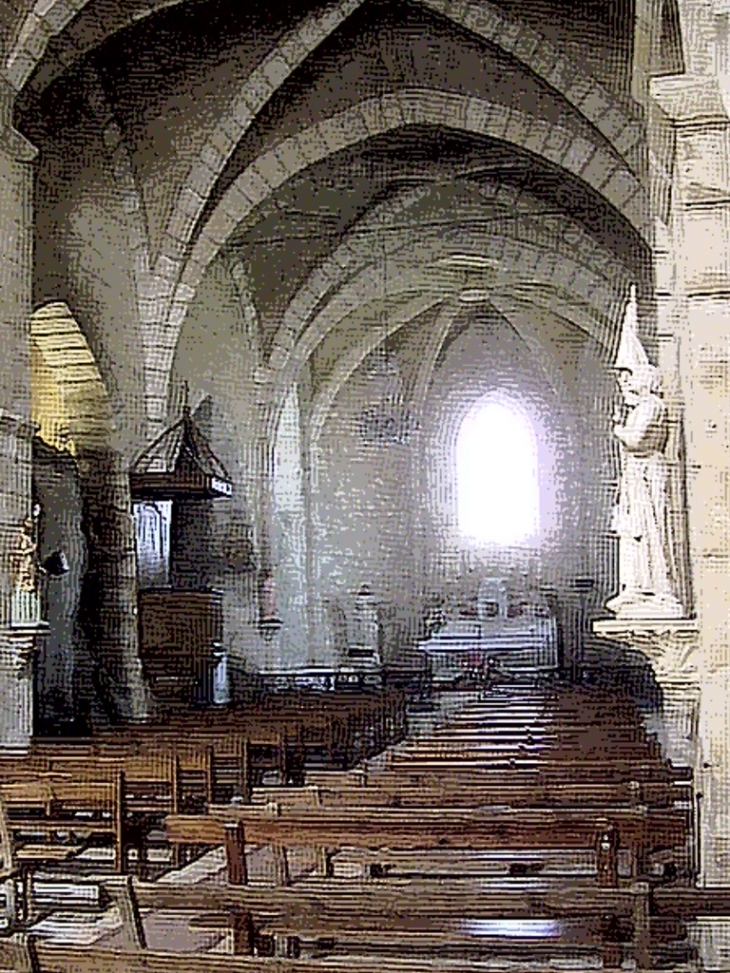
x=18 y=648
x=671 y=645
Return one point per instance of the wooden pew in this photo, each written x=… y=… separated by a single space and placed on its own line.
x=393 y=792
x=205 y=766
x=477 y=747
x=257 y=748
x=347 y=726
x=545 y=733
x=65 y=813
x=453 y=914
x=513 y=770
x=145 y=789
x=637 y=829
x=40 y=957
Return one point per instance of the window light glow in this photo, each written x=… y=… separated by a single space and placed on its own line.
x=497 y=476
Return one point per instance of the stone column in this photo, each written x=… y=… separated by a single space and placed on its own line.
x=673 y=648
x=16 y=430
x=18 y=644
x=700 y=237
x=269 y=625
x=110 y=597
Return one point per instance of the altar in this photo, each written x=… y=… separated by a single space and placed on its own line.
x=520 y=635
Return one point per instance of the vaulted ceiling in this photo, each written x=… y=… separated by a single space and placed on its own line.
x=361 y=160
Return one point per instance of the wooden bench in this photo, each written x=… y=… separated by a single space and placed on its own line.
x=258 y=749
x=25 y=955
x=414 y=915
x=636 y=829
x=124 y=797
x=536 y=769
x=393 y=792
x=64 y=814
x=346 y=726
x=477 y=747
x=202 y=767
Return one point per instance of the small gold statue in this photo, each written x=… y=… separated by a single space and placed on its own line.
x=24 y=557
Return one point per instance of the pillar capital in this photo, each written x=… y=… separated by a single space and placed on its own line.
x=691 y=99
x=671 y=645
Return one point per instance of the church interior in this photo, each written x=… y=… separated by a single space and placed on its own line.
x=365 y=485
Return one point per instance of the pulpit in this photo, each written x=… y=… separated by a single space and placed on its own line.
x=180 y=624
x=180 y=639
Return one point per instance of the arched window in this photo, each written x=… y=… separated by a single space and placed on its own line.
x=497 y=476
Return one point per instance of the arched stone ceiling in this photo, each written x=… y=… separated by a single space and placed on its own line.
x=276 y=145
x=360 y=313
x=341 y=207
x=345 y=264
x=513 y=221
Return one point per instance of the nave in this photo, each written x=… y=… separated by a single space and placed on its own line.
x=529 y=828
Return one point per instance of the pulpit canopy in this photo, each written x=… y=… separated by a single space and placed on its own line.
x=179 y=465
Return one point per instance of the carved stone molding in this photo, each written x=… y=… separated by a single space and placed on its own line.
x=672 y=646
x=19 y=647
x=688 y=98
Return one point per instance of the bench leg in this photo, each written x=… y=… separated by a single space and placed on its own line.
x=244 y=934
x=611 y=955
x=236 y=854
x=281 y=865
x=119 y=853
x=642 y=928
x=607 y=855
x=10 y=891
x=143 y=858
x=286 y=947
x=26 y=904
x=324 y=866
x=124 y=897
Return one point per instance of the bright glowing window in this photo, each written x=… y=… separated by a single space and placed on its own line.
x=497 y=476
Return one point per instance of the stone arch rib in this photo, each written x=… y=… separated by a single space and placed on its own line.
x=375 y=116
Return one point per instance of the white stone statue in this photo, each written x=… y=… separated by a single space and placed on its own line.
x=646 y=571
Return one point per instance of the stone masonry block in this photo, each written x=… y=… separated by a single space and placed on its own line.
x=258 y=90
x=526 y=44
x=596 y=102
x=270 y=169
x=276 y=70
x=508 y=35
x=578 y=154
x=311 y=144
x=484 y=21
x=599 y=169
x=59 y=14
x=201 y=179
x=621 y=187
x=253 y=187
